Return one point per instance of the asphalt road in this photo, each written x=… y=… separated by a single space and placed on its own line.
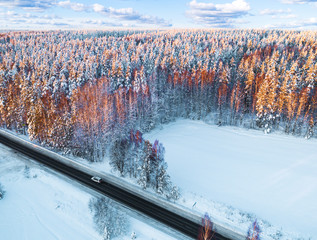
x=148 y=208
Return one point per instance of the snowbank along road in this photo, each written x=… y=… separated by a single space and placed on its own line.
x=184 y=222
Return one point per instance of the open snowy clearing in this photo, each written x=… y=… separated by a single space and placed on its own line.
x=42 y=205
x=222 y=169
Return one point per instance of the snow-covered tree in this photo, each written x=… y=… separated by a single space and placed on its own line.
x=2 y=191
x=133 y=235
x=254 y=231
x=109 y=221
x=118 y=154
x=144 y=167
x=174 y=193
x=83 y=92
x=27 y=171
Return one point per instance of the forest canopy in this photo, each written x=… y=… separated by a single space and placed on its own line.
x=83 y=92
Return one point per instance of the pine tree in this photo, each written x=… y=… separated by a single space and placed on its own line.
x=109 y=221
x=2 y=191
x=222 y=92
x=310 y=130
x=163 y=179
x=174 y=193
x=144 y=167
x=267 y=97
x=133 y=236
x=106 y=234
x=118 y=153
x=249 y=89
x=292 y=94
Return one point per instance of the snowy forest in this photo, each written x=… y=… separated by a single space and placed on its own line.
x=92 y=94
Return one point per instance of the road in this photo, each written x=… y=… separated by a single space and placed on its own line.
x=132 y=201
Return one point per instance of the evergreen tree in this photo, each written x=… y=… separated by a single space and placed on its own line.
x=109 y=221
x=118 y=153
x=2 y=191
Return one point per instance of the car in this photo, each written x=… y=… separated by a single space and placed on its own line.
x=96 y=179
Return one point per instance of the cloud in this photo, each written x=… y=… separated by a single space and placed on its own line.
x=298 y=24
x=237 y=6
x=14 y=16
x=59 y=24
x=128 y=14
x=298 y=1
x=123 y=14
x=42 y=5
x=22 y=24
x=278 y=13
x=13 y=20
x=78 y=7
x=275 y=11
x=47 y=22
x=101 y=23
x=218 y=15
x=288 y=16
x=30 y=5
x=99 y=8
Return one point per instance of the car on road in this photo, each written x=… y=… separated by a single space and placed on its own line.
x=96 y=179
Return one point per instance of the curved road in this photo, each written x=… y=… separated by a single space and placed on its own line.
x=148 y=208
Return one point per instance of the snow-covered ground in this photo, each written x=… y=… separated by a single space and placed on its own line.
x=234 y=174
x=238 y=175
x=40 y=204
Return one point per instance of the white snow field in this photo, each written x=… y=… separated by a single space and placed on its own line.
x=48 y=206
x=238 y=175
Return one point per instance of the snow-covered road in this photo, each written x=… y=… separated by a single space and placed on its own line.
x=41 y=205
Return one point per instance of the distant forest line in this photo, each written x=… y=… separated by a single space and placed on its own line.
x=86 y=92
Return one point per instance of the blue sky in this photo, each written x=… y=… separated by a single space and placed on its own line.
x=154 y=14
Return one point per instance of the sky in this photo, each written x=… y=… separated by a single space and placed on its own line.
x=157 y=14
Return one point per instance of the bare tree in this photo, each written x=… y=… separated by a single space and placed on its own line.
x=206 y=232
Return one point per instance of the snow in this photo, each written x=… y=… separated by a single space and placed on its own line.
x=42 y=206
x=47 y=205
x=238 y=175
